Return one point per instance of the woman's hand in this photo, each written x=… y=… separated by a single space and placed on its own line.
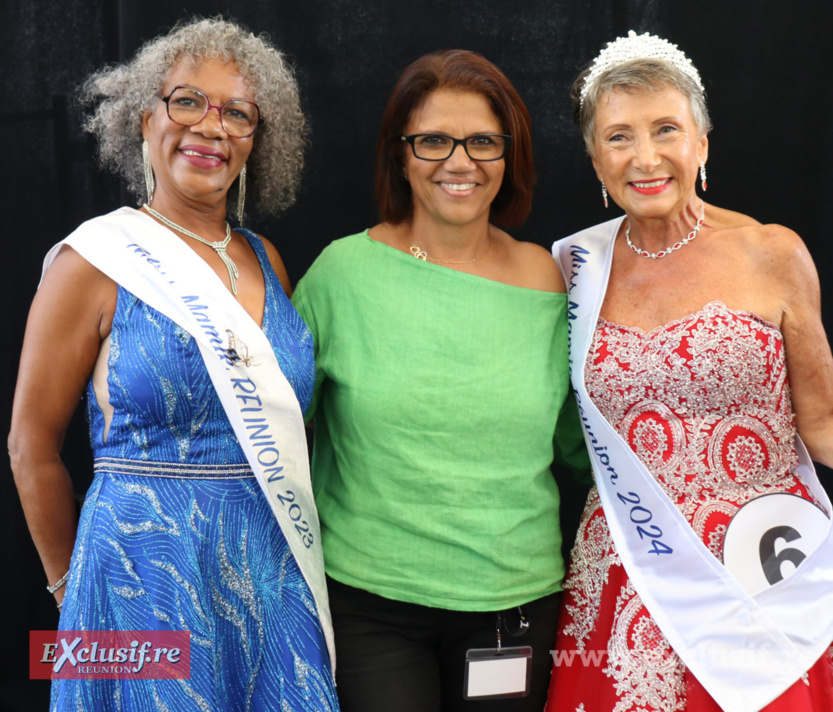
x=70 y=316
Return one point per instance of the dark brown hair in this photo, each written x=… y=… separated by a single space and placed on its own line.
x=466 y=72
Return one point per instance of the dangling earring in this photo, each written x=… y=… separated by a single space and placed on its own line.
x=241 y=195
x=703 y=184
x=148 y=170
x=604 y=193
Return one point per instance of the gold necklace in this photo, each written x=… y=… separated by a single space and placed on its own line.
x=219 y=247
x=421 y=254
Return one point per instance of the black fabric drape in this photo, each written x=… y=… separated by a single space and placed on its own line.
x=765 y=65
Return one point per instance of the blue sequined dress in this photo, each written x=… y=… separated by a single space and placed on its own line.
x=176 y=534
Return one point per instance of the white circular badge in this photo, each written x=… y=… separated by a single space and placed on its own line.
x=769 y=537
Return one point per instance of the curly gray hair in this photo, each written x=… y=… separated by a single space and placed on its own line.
x=636 y=75
x=119 y=95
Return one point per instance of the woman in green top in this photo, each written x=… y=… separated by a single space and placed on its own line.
x=441 y=350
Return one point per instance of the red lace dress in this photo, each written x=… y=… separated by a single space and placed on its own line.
x=705 y=404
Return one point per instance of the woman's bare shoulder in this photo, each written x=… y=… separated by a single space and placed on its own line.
x=769 y=256
x=535 y=266
x=764 y=240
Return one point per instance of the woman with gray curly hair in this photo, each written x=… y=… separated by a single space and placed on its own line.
x=197 y=370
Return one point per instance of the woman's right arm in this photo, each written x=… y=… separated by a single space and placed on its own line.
x=70 y=316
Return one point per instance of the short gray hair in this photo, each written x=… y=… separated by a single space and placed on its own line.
x=636 y=75
x=119 y=95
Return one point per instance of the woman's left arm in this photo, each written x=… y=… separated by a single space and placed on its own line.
x=809 y=360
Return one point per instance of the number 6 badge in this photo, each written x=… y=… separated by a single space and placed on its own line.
x=769 y=537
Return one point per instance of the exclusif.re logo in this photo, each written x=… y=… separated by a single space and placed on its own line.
x=109 y=654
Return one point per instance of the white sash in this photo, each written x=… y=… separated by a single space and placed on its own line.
x=147 y=260
x=745 y=650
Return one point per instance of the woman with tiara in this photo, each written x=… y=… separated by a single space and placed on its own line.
x=701 y=576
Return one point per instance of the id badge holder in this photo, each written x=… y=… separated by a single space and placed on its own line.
x=497 y=673
x=494 y=674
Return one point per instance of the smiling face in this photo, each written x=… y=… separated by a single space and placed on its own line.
x=457 y=191
x=648 y=151
x=194 y=164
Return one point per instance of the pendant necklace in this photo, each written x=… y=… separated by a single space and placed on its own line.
x=219 y=247
x=421 y=254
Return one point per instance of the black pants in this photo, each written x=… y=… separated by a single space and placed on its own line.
x=401 y=657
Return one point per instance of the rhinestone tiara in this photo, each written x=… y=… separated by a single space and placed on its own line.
x=645 y=46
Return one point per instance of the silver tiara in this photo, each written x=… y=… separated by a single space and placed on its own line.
x=645 y=46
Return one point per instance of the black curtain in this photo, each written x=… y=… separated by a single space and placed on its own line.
x=765 y=65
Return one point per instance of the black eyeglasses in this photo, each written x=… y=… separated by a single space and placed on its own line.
x=188 y=106
x=438 y=147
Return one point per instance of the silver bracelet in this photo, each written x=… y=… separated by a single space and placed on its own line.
x=60 y=582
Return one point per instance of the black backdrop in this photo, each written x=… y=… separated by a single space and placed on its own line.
x=765 y=64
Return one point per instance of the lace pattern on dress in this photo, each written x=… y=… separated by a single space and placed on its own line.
x=704 y=402
x=592 y=556
x=648 y=673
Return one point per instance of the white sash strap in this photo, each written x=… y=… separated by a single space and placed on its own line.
x=143 y=257
x=745 y=650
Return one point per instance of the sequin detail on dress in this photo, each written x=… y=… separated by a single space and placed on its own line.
x=176 y=534
x=704 y=402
